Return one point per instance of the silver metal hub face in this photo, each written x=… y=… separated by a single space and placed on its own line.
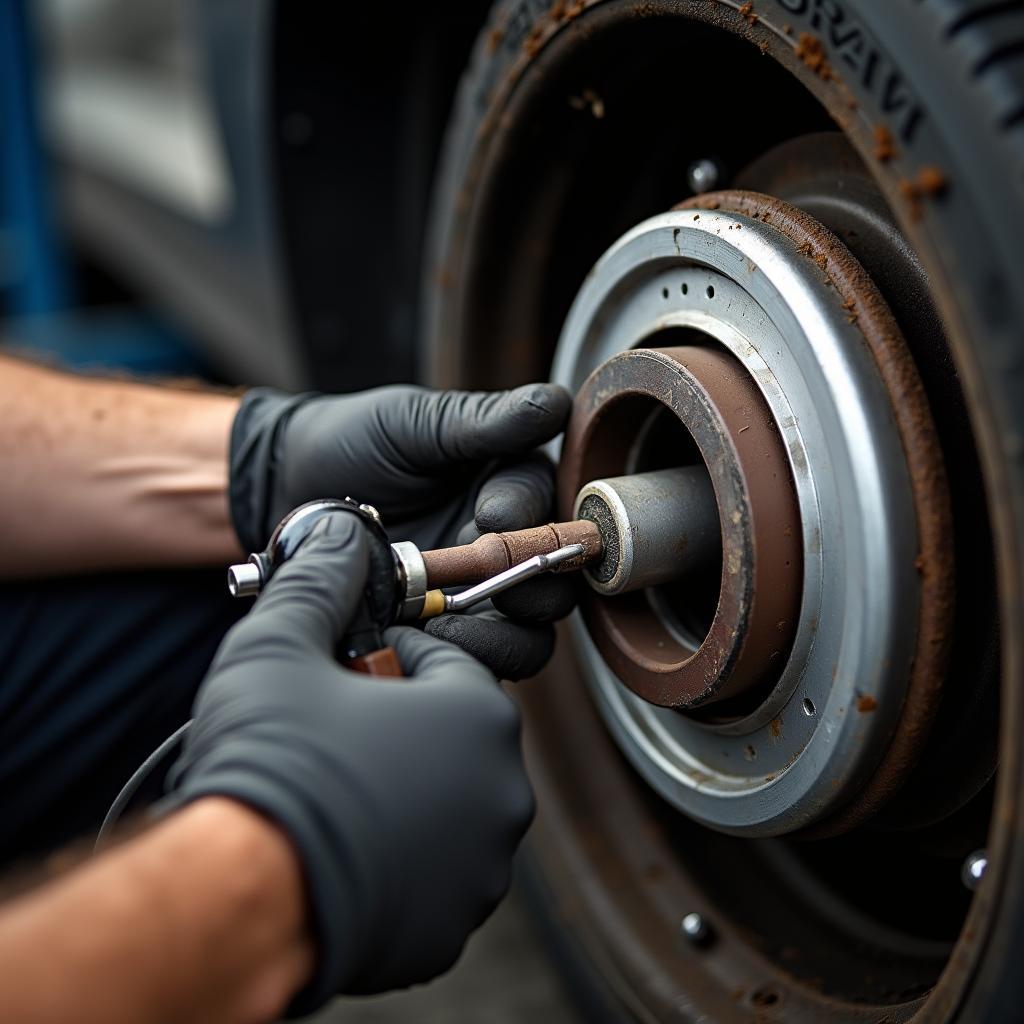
x=807 y=748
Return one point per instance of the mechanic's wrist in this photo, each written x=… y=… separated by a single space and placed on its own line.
x=266 y=882
x=320 y=862
x=254 y=459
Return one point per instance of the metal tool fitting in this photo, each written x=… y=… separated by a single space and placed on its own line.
x=412 y=573
x=548 y=562
x=245 y=579
x=655 y=526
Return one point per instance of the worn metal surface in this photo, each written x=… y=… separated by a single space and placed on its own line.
x=412 y=574
x=934 y=556
x=759 y=588
x=813 y=742
x=822 y=175
x=656 y=527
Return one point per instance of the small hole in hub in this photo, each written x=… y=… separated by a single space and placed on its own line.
x=809 y=709
x=711 y=292
x=765 y=997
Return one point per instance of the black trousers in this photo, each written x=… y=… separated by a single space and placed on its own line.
x=94 y=672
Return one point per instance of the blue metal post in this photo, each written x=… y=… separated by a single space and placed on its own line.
x=32 y=270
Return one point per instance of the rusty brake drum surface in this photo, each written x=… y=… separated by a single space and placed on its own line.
x=791 y=307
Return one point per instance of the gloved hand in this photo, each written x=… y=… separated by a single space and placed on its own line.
x=440 y=466
x=405 y=798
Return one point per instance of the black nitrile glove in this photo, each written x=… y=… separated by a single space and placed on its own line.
x=405 y=798
x=440 y=466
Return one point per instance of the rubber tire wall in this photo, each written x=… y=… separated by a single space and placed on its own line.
x=945 y=80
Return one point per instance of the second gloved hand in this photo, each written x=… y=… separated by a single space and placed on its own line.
x=405 y=798
x=440 y=466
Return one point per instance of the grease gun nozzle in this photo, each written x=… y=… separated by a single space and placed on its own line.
x=438 y=603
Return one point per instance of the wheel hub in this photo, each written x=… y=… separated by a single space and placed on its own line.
x=756 y=597
x=760 y=293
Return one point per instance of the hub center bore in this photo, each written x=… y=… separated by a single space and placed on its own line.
x=759 y=584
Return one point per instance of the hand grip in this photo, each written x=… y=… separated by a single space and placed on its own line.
x=382 y=662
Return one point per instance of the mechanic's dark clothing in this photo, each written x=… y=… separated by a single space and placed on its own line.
x=94 y=673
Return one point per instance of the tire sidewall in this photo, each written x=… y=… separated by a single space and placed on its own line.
x=891 y=67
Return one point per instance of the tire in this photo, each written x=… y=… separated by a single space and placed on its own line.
x=931 y=97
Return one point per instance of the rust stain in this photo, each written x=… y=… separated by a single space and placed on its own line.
x=806 y=249
x=532 y=43
x=885 y=144
x=791 y=760
x=775 y=727
x=747 y=11
x=866 y=703
x=931 y=496
x=810 y=50
x=930 y=183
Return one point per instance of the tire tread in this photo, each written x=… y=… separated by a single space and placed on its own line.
x=986 y=38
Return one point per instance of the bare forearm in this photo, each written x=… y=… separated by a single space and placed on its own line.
x=199 y=919
x=99 y=474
